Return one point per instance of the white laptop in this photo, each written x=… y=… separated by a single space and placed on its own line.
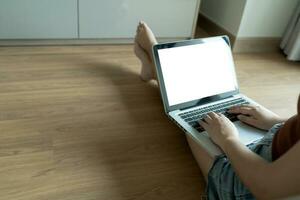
x=197 y=77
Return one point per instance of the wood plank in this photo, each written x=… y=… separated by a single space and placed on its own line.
x=78 y=123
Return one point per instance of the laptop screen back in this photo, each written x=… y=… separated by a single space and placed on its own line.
x=197 y=71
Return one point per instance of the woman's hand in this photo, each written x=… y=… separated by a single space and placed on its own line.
x=256 y=116
x=219 y=128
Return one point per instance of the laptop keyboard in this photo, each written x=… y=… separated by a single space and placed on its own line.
x=192 y=117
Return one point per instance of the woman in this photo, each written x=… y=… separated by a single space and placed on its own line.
x=267 y=169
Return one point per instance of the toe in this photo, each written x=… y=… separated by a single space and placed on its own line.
x=145 y=25
x=141 y=27
x=139 y=37
x=139 y=51
x=138 y=28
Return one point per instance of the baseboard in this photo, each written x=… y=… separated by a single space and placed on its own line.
x=214 y=29
x=256 y=44
x=240 y=45
x=58 y=42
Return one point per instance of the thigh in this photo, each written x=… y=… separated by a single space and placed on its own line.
x=224 y=183
x=203 y=158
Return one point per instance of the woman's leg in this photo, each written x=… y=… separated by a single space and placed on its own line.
x=204 y=160
x=144 y=41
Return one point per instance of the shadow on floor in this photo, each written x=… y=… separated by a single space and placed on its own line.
x=149 y=157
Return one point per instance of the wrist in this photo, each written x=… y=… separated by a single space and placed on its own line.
x=279 y=120
x=276 y=121
x=228 y=143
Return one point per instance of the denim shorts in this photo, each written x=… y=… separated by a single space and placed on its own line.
x=223 y=182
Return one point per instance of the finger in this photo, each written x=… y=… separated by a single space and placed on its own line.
x=242 y=110
x=223 y=116
x=203 y=124
x=243 y=106
x=213 y=115
x=246 y=119
x=238 y=108
x=207 y=119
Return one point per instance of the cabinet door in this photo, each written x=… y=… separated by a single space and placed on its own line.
x=119 y=18
x=38 y=19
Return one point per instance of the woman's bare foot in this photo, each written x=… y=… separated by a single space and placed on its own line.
x=144 y=40
x=147 y=70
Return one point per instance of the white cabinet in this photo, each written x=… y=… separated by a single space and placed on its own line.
x=119 y=18
x=94 y=19
x=38 y=19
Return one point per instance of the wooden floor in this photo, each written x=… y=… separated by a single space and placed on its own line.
x=78 y=123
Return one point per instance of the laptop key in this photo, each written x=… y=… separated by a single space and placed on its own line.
x=200 y=129
x=193 y=116
x=196 y=125
x=193 y=123
x=189 y=119
x=231 y=117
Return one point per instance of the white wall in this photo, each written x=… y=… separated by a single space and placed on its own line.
x=225 y=13
x=266 y=18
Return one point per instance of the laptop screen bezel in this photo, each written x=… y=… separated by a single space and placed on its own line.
x=160 y=77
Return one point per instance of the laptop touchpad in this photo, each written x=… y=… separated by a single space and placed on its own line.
x=248 y=134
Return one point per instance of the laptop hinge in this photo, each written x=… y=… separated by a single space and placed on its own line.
x=202 y=103
x=185 y=108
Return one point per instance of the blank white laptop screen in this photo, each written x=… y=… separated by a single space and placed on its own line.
x=196 y=71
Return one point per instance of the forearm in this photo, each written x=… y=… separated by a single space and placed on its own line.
x=251 y=168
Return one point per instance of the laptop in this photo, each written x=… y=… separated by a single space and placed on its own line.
x=197 y=77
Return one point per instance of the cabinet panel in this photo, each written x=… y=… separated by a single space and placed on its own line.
x=119 y=18
x=38 y=19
